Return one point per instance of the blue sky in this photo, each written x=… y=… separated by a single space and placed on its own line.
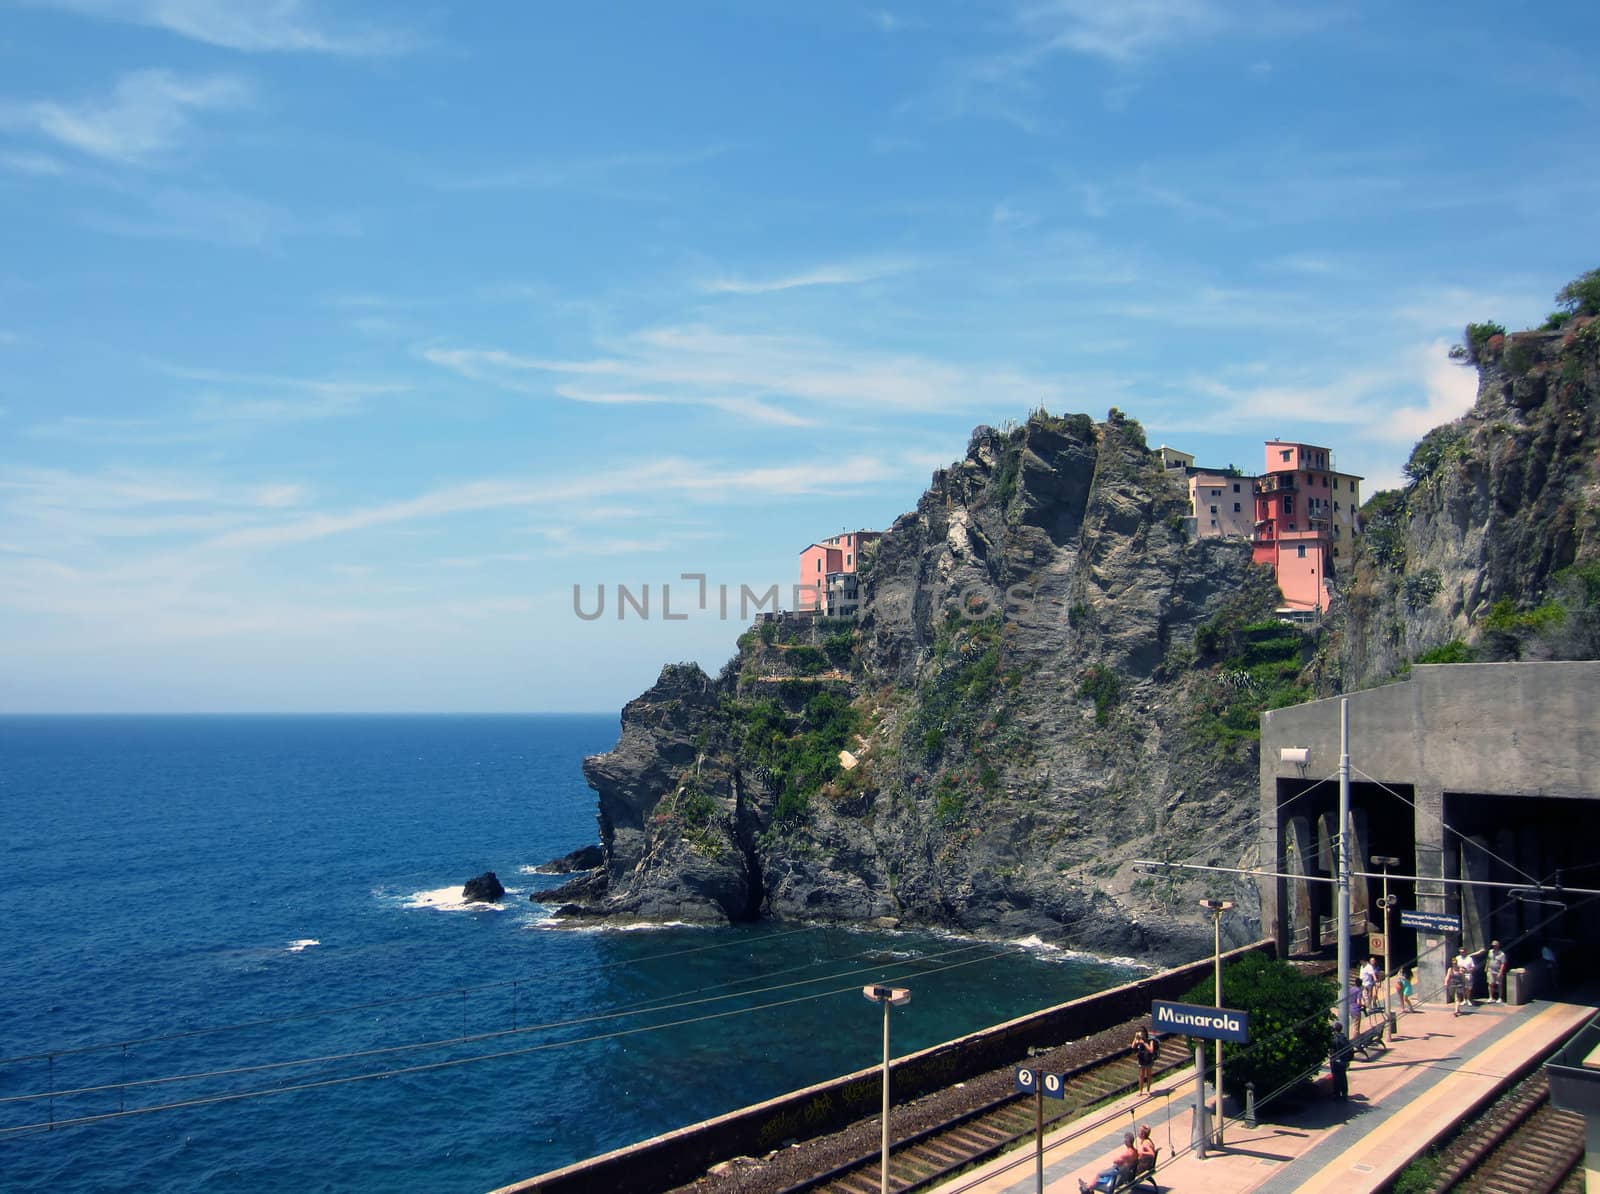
x=338 y=342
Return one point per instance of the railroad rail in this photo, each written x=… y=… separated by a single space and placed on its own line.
x=975 y=1135
x=1520 y=1145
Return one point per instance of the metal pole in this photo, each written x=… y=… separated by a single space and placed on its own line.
x=1342 y=901
x=1201 y=1129
x=1216 y=924
x=1388 y=964
x=1038 y=1136
x=884 y=1184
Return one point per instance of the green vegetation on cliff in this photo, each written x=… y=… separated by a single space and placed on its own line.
x=1491 y=551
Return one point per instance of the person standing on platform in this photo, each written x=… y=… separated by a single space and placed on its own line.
x=1369 y=986
x=1144 y=1055
x=1494 y=968
x=1407 y=989
x=1339 y=1062
x=1468 y=968
x=1453 y=980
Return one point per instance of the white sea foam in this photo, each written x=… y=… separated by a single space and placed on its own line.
x=448 y=899
x=302 y=944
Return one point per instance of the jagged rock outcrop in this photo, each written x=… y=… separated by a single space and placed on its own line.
x=483 y=889
x=1486 y=552
x=1019 y=689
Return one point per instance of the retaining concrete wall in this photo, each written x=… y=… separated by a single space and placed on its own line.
x=677 y=1157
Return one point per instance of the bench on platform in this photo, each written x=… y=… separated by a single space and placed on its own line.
x=1365 y=1042
x=1144 y=1171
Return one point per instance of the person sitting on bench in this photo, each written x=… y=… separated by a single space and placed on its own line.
x=1123 y=1162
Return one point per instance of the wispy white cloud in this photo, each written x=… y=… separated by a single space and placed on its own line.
x=1121 y=32
x=573 y=543
x=38 y=165
x=148 y=113
x=664 y=481
x=57 y=507
x=250 y=25
x=853 y=274
x=213 y=217
x=701 y=365
x=262 y=397
x=1389 y=402
x=615 y=173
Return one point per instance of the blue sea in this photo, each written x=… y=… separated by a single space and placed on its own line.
x=240 y=941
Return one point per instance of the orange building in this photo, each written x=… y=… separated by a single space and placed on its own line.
x=828 y=571
x=1306 y=517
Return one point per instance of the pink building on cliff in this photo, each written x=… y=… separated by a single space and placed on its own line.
x=1306 y=518
x=828 y=571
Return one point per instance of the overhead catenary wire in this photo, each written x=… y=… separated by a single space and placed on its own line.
x=373 y=1004
x=386 y=1050
x=236 y=1096
x=1443 y=824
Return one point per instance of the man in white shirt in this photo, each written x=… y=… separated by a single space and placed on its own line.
x=1468 y=969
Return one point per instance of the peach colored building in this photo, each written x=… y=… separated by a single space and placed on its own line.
x=1224 y=506
x=828 y=568
x=1306 y=518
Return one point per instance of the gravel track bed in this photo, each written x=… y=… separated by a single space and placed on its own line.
x=783 y=1167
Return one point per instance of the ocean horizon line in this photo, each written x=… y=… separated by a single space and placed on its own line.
x=331 y=713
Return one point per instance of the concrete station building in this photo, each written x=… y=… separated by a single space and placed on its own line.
x=1478 y=771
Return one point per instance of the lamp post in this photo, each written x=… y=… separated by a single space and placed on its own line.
x=889 y=997
x=1386 y=902
x=1217 y=908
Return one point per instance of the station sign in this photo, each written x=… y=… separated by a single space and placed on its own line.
x=1191 y=1019
x=1430 y=922
x=1032 y=1081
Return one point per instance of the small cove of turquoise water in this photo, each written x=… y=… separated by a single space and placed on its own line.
x=167 y=876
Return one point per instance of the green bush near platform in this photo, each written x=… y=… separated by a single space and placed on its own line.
x=1288 y=1014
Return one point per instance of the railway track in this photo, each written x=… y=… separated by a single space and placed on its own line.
x=975 y=1135
x=1521 y=1145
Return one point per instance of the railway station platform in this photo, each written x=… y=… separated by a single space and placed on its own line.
x=1440 y=1070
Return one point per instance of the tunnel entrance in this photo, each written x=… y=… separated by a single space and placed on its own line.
x=1381 y=823
x=1524 y=840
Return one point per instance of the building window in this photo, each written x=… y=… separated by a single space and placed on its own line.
x=819 y=565
x=1213 y=522
x=1284 y=454
x=1236 y=507
x=1288 y=504
x=1213 y=510
x=1236 y=487
x=1335 y=530
x=1302 y=551
x=849 y=560
x=1336 y=552
x=1336 y=507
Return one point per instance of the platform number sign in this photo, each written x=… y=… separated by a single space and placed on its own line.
x=1032 y=1081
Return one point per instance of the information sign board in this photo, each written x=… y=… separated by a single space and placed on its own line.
x=1190 y=1019
x=1430 y=922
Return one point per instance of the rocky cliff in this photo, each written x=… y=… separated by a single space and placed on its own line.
x=1033 y=693
x=1492 y=550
